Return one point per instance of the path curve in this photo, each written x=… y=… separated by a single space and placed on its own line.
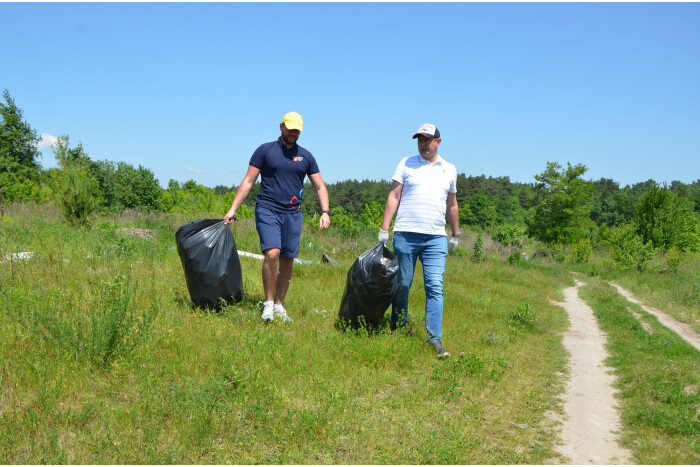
x=686 y=332
x=591 y=418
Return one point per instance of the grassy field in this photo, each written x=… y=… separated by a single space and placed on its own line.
x=103 y=360
x=678 y=294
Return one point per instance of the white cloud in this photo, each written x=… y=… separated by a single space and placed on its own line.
x=194 y=169
x=46 y=141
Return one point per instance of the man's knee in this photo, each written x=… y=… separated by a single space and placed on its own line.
x=272 y=254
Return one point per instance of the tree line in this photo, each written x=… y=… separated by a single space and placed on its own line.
x=559 y=207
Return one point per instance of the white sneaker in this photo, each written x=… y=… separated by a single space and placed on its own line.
x=281 y=313
x=267 y=313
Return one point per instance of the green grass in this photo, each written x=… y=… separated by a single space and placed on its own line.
x=182 y=385
x=659 y=379
x=677 y=294
x=103 y=360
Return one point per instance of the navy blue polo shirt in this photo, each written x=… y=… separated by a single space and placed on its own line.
x=282 y=173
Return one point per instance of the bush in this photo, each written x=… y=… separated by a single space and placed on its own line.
x=522 y=316
x=478 y=252
x=674 y=259
x=77 y=196
x=581 y=251
x=510 y=234
x=628 y=250
x=516 y=259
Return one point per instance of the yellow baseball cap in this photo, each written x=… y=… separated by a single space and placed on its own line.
x=293 y=121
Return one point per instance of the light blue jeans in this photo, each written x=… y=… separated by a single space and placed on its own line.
x=432 y=251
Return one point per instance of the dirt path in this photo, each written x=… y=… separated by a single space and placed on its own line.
x=682 y=329
x=591 y=419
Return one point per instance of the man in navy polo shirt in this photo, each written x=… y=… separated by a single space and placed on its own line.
x=282 y=166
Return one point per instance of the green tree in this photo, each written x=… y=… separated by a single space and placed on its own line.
x=562 y=213
x=19 y=169
x=666 y=220
x=137 y=188
x=482 y=210
x=66 y=156
x=372 y=215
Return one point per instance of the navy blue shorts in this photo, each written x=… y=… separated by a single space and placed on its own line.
x=279 y=230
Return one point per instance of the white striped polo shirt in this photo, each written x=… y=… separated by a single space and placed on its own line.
x=424 y=194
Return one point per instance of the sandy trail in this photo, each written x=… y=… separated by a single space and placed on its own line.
x=682 y=329
x=591 y=418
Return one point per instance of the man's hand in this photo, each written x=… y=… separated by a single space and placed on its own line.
x=230 y=217
x=452 y=244
x=383 y=236
x=324 y=222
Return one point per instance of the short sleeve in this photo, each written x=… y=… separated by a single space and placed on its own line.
x=400 y=172
x=313 y=166
x=258 y=158
x=453 y=182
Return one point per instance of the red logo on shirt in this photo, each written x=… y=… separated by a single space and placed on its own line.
x=298 y=158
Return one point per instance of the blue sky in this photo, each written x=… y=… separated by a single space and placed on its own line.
x=190 y=90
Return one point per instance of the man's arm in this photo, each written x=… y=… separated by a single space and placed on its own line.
x=320 y=187
x=453 y=213
x=243 y=190
x=392 y=204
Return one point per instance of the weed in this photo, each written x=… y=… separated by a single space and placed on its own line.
x=491 y=338
x=523 y=315
x=106 y=327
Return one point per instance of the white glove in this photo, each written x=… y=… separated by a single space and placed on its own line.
x=452 y=244
x=383 y=236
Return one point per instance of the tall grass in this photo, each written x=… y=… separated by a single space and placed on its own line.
x=674 y=288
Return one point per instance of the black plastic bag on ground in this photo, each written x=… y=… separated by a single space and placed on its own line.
x=370 y=287
x=210 y=260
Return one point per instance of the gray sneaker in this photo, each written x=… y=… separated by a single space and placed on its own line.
x=439 y=349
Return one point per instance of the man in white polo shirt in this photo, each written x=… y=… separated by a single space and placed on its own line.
x=424 y=190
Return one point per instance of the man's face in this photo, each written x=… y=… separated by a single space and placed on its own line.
x=427 y=147
x=289 y=137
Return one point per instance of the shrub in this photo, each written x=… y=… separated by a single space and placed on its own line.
x=516 y=259
x=628 y=250
x=478 y=252
x=581 y=251
x=77 y=196
x=522 y=316
x=510 y=234
x=674 y=259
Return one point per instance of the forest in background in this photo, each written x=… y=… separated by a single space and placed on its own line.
x=558 y=208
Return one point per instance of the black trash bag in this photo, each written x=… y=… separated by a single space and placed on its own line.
x=370 y=287
x=210 y=260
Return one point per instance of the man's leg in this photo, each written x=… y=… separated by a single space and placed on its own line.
x=433 y=260
x=404 y=250
x=283 y=279
x=290 y=234
x=269 y=272
x=269 y=227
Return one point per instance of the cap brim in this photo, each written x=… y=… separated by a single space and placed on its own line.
x=293 y=126
x=423 y=134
